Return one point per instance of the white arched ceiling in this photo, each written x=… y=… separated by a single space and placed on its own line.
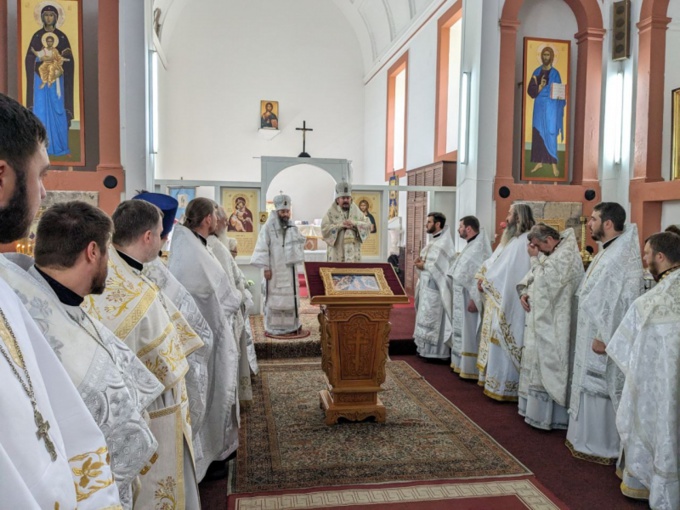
x=379 y=25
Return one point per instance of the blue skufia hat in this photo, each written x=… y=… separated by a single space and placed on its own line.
x=165 y=203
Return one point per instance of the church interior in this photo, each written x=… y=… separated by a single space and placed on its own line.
x=422 y=106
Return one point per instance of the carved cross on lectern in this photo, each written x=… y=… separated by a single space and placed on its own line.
x=304 y=130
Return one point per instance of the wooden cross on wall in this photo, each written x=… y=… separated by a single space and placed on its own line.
x=304 y=130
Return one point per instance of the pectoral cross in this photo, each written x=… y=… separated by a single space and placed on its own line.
x=304 y=130
x=42 y=433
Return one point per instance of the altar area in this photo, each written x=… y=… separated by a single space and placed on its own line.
x=310 y=182
x=315 y=246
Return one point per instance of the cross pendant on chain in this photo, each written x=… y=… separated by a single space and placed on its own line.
x=42 y=433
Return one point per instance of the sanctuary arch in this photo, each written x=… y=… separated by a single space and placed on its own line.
x=338 y=169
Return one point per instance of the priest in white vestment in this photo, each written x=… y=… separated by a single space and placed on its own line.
x=114 y=384
x=467 y=307
x=241 y=282
x=240 y=317
x=612 y=282
x=199 y=361
x=279 y=248
x=433 y=301
x=48 y=438
x=135 y=309
x=236 y=276
x=548 y=295
x=194 y=265
x=197 y=377
x=501 y=341
x=344 y=227
x=646 y=347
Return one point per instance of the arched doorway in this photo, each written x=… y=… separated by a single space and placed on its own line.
x=309 y=187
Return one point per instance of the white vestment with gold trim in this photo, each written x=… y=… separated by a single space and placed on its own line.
x=646 y=347
x=29 y=479
x=501 y=341
x=135 y=309
x=612 y=282
x=548 y=336
x=195 y=267
x=114 y=384
x=344 y=245
x=466 y=326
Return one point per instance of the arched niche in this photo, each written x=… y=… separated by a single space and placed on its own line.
x=310 y=188
x=338 y=169
x=588 y=88
x=587 y=110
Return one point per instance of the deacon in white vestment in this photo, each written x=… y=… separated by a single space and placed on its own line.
x=467 y=307
x=135 y=309
x=279 y=248
x=646 y=347
x=433 y=301
x=548 y=295
x=612 y=282
x=344 y=227
x=114 y=384
x=501 y=341
x=49 y=442
x=194 y=265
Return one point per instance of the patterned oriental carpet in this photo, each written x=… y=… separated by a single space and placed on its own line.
x=284 y=443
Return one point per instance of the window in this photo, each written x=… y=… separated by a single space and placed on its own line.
x=397 y=92
x=448 y=84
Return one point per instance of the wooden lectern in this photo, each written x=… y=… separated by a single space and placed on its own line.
x=355 y=300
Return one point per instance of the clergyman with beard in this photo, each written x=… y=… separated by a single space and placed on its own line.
x=612 y=282
x=45 y=421
x=645 y=347
x=279 y=248
x=195 y=266
x=501 y=341
x=344 y=227
x=70 y=263
x=433 y=296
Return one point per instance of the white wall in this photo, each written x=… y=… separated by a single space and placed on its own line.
x=670 y=214
x=227 y=56
x=422 y=76
x=480 y=57
x=375 y=128
x=133 y=95
x=422 y=85
x=615 y=179
x=310 y=188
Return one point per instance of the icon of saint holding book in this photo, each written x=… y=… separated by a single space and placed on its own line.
x=549 y=95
